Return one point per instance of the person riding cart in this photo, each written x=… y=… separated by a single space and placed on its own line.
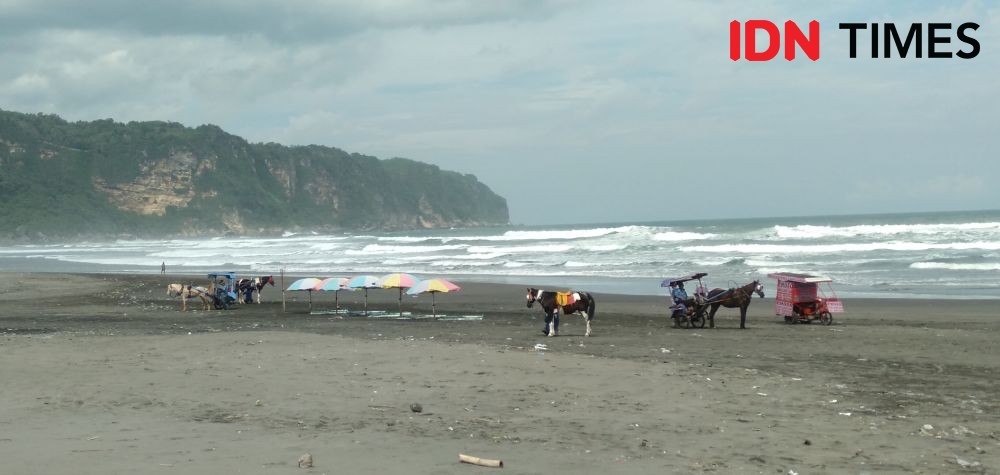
x=680 y=297
x=685 y=311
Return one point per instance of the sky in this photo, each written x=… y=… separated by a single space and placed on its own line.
x=575 y=111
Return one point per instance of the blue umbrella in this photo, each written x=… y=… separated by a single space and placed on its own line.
x=364 y=282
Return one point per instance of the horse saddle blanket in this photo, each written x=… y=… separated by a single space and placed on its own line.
x=566 y=298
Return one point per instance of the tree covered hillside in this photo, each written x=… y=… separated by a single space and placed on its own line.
x=62 y=178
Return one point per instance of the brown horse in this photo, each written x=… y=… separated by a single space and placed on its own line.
x=733 y=298
x=186 y=292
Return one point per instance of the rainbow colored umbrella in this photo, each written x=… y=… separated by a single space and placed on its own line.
x=364 y=282
x=335 y=285
x=308 y=284
x=398 y=281
x=433 y=286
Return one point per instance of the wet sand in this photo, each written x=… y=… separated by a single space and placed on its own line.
x=103 y=374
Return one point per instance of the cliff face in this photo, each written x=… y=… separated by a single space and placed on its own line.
x=148 y=178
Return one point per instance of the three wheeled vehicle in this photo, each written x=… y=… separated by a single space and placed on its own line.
x=801 y=300
x=222 y=288
x=692 y=313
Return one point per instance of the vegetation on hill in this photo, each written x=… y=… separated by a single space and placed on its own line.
x=102 y=177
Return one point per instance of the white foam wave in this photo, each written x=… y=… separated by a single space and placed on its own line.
x=674 y=236
x=381 y=249
x=518 y=249
x=605 y=247
x=806 y=231
x=545 y=235
x=833 y=248
x=985 y=266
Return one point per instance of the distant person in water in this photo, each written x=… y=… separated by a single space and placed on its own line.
x=163 y=268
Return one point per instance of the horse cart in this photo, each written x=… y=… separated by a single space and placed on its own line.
x=800 y=299
x=692 y=313
x=222 y=289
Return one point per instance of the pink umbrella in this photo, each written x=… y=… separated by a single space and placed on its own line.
x=335 y=285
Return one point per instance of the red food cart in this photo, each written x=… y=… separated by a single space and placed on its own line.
x=799 y=298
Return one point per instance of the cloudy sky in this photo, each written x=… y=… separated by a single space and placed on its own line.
x=575 y=111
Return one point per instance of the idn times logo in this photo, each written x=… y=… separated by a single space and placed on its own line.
x=882 y=40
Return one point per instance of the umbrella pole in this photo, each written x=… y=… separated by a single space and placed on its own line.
x=400 y=302
x=310 y=301
x=433 y=310
x=366 y=301
x=336 y=299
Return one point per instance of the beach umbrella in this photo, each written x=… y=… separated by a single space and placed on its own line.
x=335 y=285
x=364 y=282
x=308 y=284
x=433 y=286
x=398 y=281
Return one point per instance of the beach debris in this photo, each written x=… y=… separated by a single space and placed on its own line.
x=480 y=461
x=845 y=413
x=664 y=350
x=966 y=463
x=258 y=403
x=541 y=347
x=807 y=442
x=306 y=461
x=416 y=407
x=927 y=430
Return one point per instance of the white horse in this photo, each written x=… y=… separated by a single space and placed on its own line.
x=186 y=292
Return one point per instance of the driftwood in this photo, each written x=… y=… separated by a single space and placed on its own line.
x=479 y=461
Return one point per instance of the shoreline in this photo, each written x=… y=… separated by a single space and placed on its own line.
x=639 y=287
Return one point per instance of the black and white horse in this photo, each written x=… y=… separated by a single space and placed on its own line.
x=568 y=302
x=246 y=287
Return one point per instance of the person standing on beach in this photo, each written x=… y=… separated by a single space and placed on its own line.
x=163 y=268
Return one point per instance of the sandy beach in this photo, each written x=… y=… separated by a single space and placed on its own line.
x=103 y=374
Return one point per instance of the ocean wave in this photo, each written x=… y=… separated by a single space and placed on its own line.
x=674 y=236
x=834 y=248
x=806 y=231
x=984 y=266
x=381 y=249
x=518 y=249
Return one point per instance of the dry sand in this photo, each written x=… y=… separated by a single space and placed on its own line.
x=103 y=374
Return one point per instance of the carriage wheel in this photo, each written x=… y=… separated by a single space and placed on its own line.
x=681 y=321
x=698 y=319
x=790 y=319
x=826 y=318
x=217 y=303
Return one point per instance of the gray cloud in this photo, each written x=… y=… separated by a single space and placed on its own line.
x=607 y=111
x=277 y=20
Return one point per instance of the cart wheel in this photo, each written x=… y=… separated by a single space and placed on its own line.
x=698 y=319
x=790 y=320
x=682 y=321
x=826 y=318
x=217 y=303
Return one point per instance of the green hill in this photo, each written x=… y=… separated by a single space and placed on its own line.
x=62 y=178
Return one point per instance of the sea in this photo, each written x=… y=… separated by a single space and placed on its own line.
x=947 y=255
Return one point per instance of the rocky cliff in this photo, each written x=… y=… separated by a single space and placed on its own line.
x=152 y=178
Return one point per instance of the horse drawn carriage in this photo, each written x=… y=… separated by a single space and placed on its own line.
x=690 y=314
x=695 y=311
x=222 y=289
x=801 y=300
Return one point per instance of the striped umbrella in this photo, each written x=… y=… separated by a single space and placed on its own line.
x=398 y=281
x=308 y=284
x=433 y=286
x=335 y=285
x=363 y=282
